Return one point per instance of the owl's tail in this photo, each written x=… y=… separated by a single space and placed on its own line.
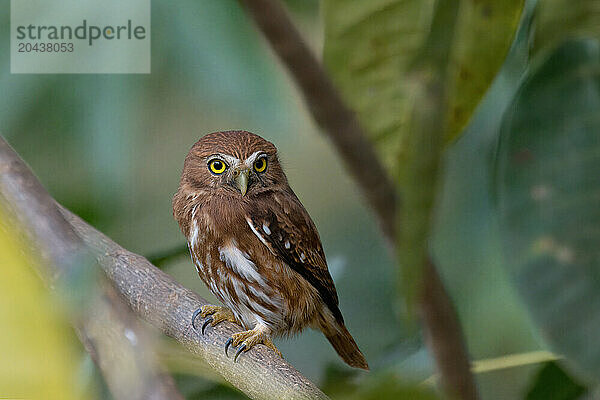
x=346 y=347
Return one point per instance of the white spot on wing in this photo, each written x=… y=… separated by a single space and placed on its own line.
x=238 y=261
x=262 y=239
x=287 y=244
x=302 y=257
x=266 y=229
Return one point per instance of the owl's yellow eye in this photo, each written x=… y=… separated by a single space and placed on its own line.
x=217 y=166
x=260 y=165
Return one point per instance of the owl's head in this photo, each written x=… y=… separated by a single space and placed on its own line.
x=233 y=163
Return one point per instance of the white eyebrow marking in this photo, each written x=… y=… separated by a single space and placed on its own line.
x=231 y=160
x=250 y=160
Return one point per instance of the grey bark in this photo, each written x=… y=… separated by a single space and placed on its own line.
x=150 y=293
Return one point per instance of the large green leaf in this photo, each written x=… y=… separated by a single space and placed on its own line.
x=552 y=383
x=560 y=20
x=370 y=46
x=548 y=190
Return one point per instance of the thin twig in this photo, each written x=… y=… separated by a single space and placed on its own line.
x=339 y=123
x=104 y=324
x=443 y=333
x=149 y=292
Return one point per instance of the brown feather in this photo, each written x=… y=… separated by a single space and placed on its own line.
x=305 y=253
x=259 y=253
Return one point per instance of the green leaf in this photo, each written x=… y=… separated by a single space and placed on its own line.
x=559 y=20
x=484 y=33
x=553 y=383
x=387 y=386
x=414 y=71
x=548 y=192
x=370 y=47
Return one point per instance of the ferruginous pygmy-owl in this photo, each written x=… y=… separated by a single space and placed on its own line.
x=255 y=246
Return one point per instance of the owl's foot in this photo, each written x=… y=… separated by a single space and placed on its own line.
x=248 y=339
x=213 y=315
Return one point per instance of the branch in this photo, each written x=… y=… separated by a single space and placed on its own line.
x=103 y=323
x=443 y=333
x=116 y=340
x=152 y=294
x=339 y=123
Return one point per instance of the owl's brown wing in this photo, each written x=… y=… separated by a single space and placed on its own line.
x=285 y=227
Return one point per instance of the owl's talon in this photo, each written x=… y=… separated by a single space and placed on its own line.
x=239 y=351
x=248 y=339
x=227 y=344
x=205 y=324
x=194 y=316
x=213 y=315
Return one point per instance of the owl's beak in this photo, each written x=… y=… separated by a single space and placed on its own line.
x=241 y=180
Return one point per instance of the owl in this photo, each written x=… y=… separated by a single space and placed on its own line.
x=255 y=246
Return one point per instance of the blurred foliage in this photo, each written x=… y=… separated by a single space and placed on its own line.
x=548 y=193
x=415 y=71
x=388 y=387
x=178 y=360
x=341 y=383
x=111 y=147
x=196 y=389
x=39 y=351
x=558 y=21
x=552 y=383
x=371 y=47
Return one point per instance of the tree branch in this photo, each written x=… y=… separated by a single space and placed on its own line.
x=102 y=321
x=340 y=124
x=150 y=293
x=443 y=334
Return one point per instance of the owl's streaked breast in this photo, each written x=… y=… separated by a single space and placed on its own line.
x=233 y=277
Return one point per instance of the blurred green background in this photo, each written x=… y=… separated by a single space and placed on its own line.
x=111 y=149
